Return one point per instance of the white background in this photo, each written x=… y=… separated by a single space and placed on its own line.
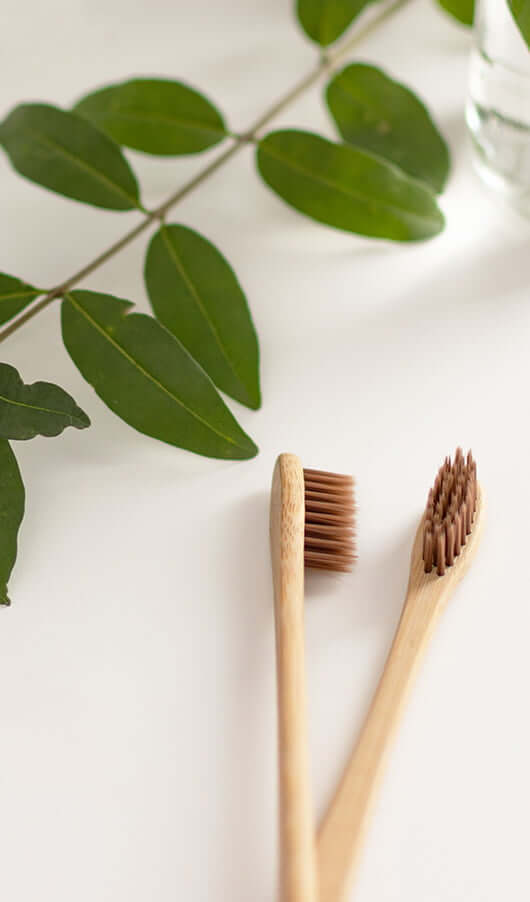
x=137 y=708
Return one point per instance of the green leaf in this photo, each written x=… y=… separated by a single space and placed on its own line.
x=462 y=10
x=380 y=115
x=347 y=188
x=325 y=20
x=521 y=13
x=154 y=115
x=14 y=296
x=65 y=153
x=196 y=295
x=12 y=498
x=38 y=409
x=146 y=376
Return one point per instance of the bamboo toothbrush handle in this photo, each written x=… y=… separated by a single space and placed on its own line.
x=341 y=832
x=297 y=837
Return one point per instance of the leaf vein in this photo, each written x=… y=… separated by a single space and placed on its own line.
x=138 y=366
x=340 y=189
x=16 y=295
x=156 y=117
x=82 y=164
x=60 y=413
x=197 y=298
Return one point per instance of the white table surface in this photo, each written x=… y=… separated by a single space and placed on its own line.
x=137 y=706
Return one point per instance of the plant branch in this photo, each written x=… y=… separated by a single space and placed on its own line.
x=327 y=62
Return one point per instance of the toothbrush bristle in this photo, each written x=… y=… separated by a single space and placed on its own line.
x=450 y=512
x=329 y=521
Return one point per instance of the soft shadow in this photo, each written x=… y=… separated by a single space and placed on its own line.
x=473 y=282
x=248 y=734
x=382 y=583
x=482 y=285
x=369 y=620
x=320 y=583
x=374 y=588
x=454 y=130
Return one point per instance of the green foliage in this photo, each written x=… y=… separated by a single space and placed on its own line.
x=11 y=513
x=462 y=10
x=14 y=296
x=382 y=116
x=146 y=376
x=194 y=292
x=38 y=409
x=521 y=12
x=154 y=115
x=347 y=188
x=325 y=20
x=163 y=375
x=65 y=153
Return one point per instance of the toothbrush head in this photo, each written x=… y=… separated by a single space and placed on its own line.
x=450 y=512
x=329 y=537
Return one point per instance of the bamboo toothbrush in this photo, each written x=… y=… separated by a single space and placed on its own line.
x=445 y=544
x=311 y=523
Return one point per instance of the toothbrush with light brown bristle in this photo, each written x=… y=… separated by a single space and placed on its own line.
x=311 y=524
x=446 y=541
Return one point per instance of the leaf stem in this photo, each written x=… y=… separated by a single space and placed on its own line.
x=327 y=62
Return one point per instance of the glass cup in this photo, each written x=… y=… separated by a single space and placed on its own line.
x=498 y=106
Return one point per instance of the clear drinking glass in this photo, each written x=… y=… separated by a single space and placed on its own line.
x=498 y=107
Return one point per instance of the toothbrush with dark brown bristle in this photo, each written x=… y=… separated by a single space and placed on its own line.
x=311 y=523
x=445 y=544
